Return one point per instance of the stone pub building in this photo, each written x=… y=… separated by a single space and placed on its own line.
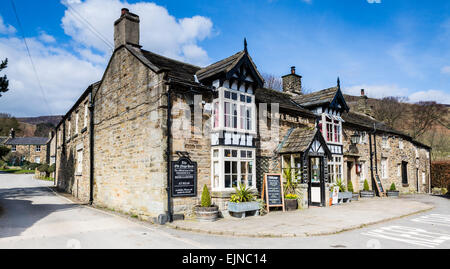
x=114 y=146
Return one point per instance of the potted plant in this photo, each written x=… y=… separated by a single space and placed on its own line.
x=242 y=202
x=366 y=192
x=206 y=211
x=290 y=197
x=392 y=192
x=343 y=196
x=350 y=189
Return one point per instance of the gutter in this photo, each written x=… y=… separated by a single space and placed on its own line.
x=168 y=151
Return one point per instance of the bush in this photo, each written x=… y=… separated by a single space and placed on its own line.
x=291 y=196
x=52 y=168
x=43 y=168
x=31 y=166
x=243 y=194
x=206 y=198
x=393 y=187
x=2 y=164
x=350 y=186
x=366 y=185
x=341 y=185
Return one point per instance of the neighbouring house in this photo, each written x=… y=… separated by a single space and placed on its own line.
x=31 y=149
x=115 y=145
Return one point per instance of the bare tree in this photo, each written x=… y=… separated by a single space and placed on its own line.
x=423 y=116
x=389 y=110
x=272 y=82
x=3 y=80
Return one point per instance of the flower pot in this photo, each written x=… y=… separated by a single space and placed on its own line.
x=291 y=204
x=392 y=193
x=344 y=197
x=367 y=194
x=355 y=196
x=207 y=214
x=241 y=209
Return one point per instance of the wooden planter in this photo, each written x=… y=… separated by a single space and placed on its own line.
x=392 y=193
x=241 y=209
x=344 y=197
x=207 y=214
x=291 y=204
x=367 y=194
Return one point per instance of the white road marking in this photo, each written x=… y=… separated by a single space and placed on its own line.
x=409 y=235
x=435 y=219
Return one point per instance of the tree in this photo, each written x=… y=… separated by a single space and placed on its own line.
x=6 y=123
x=4 y=82
x=43 y=129
x=389 y=110
x=272 y=82
x=3 y=151
x=423 y=116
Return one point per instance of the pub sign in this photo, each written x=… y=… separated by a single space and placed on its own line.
x=184 y=178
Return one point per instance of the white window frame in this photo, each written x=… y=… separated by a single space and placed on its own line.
x=79 y=169
x=336 y=164
x=218 y=177
x=384 y=168
x=76 y=122
x=424 y=181
x=400 y=143
x=38 y=148
x=334 y=123
x=385 y=142
x=13 y=148
x=290 y=160
x=37 y=159
x=221 y=111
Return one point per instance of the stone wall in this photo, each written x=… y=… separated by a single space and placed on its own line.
x=69 y=147
x=129 y=138
x=394 y=156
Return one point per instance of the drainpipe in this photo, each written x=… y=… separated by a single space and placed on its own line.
x=91 y=149
x=371 y=157
x=168 y=151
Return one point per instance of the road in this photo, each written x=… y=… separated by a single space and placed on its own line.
x=32 y=216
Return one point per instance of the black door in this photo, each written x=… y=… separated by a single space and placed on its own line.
x=316 y=182
x=404 y=173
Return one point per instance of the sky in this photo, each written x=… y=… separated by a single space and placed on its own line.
x=387 y=47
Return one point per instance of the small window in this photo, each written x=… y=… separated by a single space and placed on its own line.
x=384 y=171
x=38 y=148
x=400 y=144
x=37 y=159
x=13 y=148
x=79 y=162
x=385 y=142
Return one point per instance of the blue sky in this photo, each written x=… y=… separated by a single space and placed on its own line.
x=391 y=48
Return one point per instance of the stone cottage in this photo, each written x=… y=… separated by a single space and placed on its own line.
x=115 y=146
x=31 y=149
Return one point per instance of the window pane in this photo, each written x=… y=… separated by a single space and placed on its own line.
x=249 y=99
x=234 y=153
x=227 y=168
x=243 y=154
x=227 y=181
x=234 y=96
x=234 y=167
x=227 y=94
x=249 y=154
x=242 y=97
x=216 y=153
x=234 y=179
x=249 y=180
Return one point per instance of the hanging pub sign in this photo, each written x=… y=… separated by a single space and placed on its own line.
x=184 y=178
x=273 y=190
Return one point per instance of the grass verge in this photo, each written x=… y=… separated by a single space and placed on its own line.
x=17 y=171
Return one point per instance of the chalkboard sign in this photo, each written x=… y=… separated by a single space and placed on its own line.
x=273 y=189
x=379 y=185
x=184 y=178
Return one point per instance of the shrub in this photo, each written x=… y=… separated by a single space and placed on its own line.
x=366 y=185
x=52 y=168
x=341 y=185
x=31 y=166
x=392 y=187
x=243 y=194
x=3 y=164
x=43 y=168
x=206 y=198
x=350 y=186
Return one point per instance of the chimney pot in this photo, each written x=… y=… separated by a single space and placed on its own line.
x=362 y=92
x=125 y=11
x=292 y=69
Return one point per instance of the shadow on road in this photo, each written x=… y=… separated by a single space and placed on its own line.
x=19 y=212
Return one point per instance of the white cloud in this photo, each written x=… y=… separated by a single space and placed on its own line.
x=160 y=32
x=43 y=36
x=430 y=95
x=63 y=76
x=6 y=29
x=445 y=70
x=374 y=1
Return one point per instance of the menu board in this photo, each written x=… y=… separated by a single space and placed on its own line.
x=184 y=178
x=273 y=189
x=379 y=185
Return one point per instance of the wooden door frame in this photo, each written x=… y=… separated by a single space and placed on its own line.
x=322 y=180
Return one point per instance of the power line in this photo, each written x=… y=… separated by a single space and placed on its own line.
x=31 y=59
x=88 y=24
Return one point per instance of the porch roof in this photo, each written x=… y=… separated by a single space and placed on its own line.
x=297 y=140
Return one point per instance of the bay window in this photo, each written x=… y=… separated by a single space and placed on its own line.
x=335 y=169
x=233 y=166
x=333 y=129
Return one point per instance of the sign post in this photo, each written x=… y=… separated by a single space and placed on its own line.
x=184 y=178
x=273 y=190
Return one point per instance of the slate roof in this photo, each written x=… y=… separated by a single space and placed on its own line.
x=220 y=66
x=298 y=140
x=27 y=141
x=268 y=96
x=317 y=98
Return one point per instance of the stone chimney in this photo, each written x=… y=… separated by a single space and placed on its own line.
x=126 y=29
x=292 y=83
x=12 y=133
x=363 y=106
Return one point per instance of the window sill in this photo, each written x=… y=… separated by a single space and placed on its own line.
x=84 y=130
x=78 y=174
x=227 y=193
x=405 y=185
x=74 y=136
